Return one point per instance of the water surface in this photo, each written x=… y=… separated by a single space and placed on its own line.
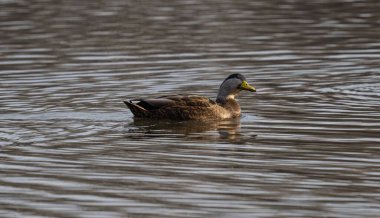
x=307 y=144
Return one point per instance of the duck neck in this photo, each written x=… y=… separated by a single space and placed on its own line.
x=222 y=99
x=225 y=94
x=230 y=104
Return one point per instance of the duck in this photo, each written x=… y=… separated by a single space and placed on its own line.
x=194 y=107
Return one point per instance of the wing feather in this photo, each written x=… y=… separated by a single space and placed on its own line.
x=181 y=107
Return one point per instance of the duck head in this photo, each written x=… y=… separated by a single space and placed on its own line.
x=231 y=86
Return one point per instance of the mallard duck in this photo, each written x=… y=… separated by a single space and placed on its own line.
x=194 y=107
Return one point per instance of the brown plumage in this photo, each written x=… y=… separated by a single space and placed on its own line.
x=193 y=107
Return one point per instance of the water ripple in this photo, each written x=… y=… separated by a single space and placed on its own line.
x=306 y=145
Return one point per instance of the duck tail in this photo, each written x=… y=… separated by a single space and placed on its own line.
x=136 y=110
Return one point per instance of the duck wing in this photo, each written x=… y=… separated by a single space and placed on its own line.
x=179 y=107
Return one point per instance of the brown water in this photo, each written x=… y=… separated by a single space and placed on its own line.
x=307 y=145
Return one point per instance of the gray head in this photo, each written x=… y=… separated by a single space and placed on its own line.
x=231 y=86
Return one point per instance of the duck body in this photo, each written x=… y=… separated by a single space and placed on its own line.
x=183 y=107
x=193 y=107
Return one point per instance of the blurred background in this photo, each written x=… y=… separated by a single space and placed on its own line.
x=307 y=144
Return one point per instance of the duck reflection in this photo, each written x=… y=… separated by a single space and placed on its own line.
x=201 y=130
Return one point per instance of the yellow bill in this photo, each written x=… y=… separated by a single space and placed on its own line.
x=245 y=86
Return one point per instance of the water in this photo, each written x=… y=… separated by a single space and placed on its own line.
x=307 y=144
